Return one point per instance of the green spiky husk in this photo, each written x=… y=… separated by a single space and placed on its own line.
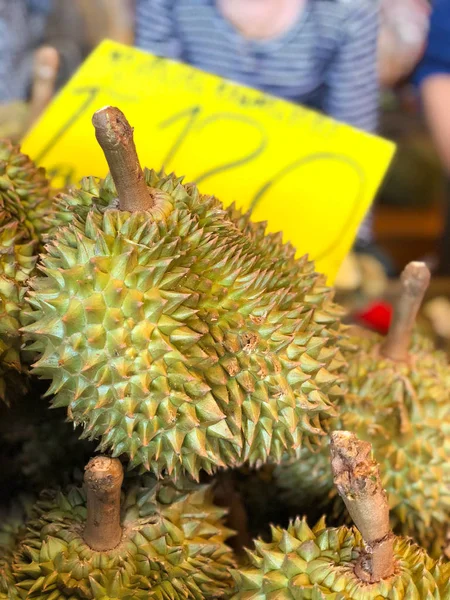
x=183 y=337
x=12 y=524
x=24 y=208
x=173 y=546
x=300 y=563
x=25 y=194
x=404 y=411
x=17 y=262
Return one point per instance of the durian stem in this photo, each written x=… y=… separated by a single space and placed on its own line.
x=115 y=136
x=357 y=478
x=415 y=280
x=103 y=481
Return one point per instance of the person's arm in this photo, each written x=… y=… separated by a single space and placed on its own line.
x=433 y=79
x=402 y=38
x=66 y=32
x=435 y=92
x=155 y=28
x=352 y=78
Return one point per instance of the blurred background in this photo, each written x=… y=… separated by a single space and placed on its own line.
x=42 y=42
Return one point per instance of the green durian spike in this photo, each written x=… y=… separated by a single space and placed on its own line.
x=176 y=331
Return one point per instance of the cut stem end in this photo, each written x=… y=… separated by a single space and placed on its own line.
x=103 y=481
x=115 y=136
x=357 y=478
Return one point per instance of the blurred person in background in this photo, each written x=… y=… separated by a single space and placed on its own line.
x=319 y=53
x=404 y=26
x=40 y=47
x=22 y=27
x=433 y=80
x=42 y=42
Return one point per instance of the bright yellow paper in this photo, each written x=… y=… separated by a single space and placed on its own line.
x=307 y=175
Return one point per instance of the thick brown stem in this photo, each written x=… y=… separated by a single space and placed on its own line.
x=103 y=481
x=357 y=478
x=415 y=280
x=115 y=136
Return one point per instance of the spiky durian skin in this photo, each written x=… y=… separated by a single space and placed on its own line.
x=24 y=208
x=404 y=411
x=25 y=194
x=181 y=339
x=17 y=262
x=300 y=563
x=442 y=575
x=12 y=523
x=173 y=546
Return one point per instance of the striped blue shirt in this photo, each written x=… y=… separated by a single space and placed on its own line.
x=327 y=60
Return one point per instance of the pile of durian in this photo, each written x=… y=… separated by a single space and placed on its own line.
x=210 y=369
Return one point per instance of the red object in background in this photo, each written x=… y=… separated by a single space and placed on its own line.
x=376 y=316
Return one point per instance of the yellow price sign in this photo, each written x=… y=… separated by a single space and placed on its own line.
x=307 y=175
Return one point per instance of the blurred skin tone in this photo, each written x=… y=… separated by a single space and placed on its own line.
x=261 y=19
x=266 y=19
x=395 y=61
x=435 y=92
x=402 y=37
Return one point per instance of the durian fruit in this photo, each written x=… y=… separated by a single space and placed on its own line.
x=343 y=563
x=25 y=192
x=13 y=519
x=17 y=262
x=442 y=574
x=176 y=333
x=12 y=523
x=24 y=204
x=160 y=543
x=398 y=398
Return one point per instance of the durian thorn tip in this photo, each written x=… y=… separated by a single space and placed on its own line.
x=415 y=280
x=115 y=136
x=103 y=482
x=357 y=478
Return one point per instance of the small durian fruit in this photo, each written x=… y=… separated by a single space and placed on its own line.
x=12 y=528
x=160 y=542
x=175 y=331
x=442 y=575
x=25 y=192
x=13 y=519
x=398 y=397
x=17 y=263
x=368 y=563
x=24 y=204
